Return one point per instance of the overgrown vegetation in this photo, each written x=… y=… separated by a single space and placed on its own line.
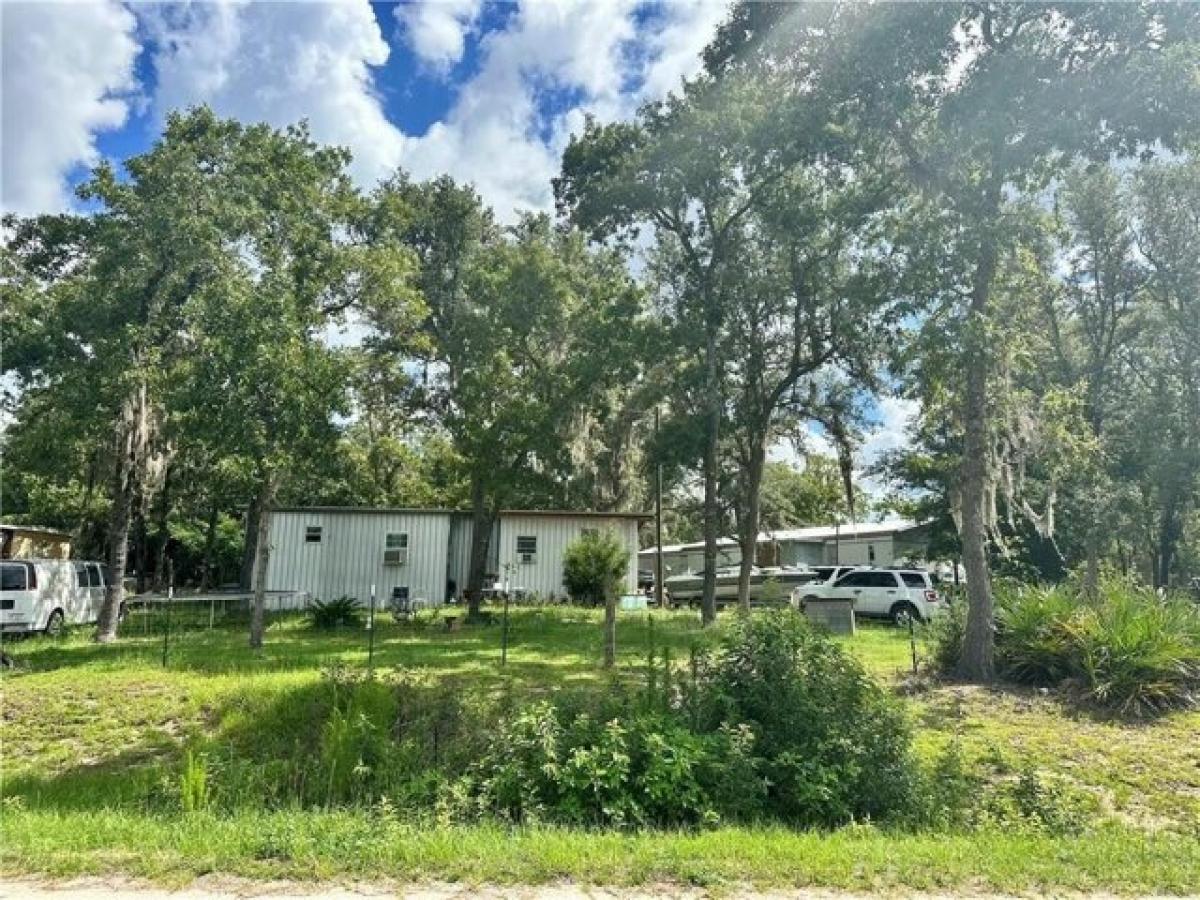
x=1126 y=649
x=298 y=761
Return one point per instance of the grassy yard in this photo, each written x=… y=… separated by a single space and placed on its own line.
x=89 y=733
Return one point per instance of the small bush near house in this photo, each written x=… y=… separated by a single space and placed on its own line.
x=593 y=565
x=337 y=613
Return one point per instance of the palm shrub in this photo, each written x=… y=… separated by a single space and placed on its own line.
x=335 y=613
x=1137 y=654
x=1127 y=650
x=1034 y=642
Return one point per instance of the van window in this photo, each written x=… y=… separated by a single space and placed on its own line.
x=95 y=575
x=81 y=575
x=13 y=577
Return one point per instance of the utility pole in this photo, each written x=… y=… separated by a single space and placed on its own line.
x=658 y=560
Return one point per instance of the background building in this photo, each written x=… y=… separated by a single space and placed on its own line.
x=870 y=543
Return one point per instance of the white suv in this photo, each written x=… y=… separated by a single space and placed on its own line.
x=901 y=595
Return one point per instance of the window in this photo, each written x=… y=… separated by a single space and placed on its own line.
x=81 y=576
x=914 y=579
x=871 y=554
x=585 y=532
x=13 y=577
x=395 y=549
x=868 y=579
x=95 y=578
x=312 y=534
x=527 y=548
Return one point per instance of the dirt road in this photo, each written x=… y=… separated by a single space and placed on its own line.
x=225 y=888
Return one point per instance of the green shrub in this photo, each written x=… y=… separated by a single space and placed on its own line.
x=344 y=611
x=944 y=636
x=593 y=565
x=830 y=745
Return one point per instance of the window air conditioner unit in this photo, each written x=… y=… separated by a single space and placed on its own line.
x=528 y=558
x=397 y=556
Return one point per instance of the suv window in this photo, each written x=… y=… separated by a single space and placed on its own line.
x=867 y=579
x=12 y=577
x=914 y=579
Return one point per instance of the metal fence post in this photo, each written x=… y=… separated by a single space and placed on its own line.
x=371 y=630
x=170 y=598
x=504 y=633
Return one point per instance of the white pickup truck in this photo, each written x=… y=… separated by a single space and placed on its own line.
x=901 y=595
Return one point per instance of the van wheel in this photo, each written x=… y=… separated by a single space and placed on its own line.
x=54 y=624
x=903 y=613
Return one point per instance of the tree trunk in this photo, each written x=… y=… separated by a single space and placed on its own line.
x=1170 y=529
x=266 y=500
x=482 y=520
x=129 y=445
x=163 y=534
x=748 y=531
x=708 y=596
x=250 y=548
x=610 y=628
x=141 y=549
x=210 y=546
x=977 y=661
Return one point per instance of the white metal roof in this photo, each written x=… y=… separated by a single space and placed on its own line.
x=815 y=535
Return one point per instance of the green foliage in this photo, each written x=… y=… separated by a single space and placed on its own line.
x=338 y=613
x=594 y=565
x=1128 y=650
x=831 y=746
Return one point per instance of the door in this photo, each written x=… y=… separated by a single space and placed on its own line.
x=96 y=590
x=79 y=598
x=874 y=592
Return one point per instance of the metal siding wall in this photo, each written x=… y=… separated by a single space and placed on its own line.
x=461 y=530
x=553 y=534
x=349 y=558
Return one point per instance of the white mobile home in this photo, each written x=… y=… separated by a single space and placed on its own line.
x=330 y=552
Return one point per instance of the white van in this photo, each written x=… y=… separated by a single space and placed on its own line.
x=47 y=594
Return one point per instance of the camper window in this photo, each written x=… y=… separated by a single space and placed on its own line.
x=12 y=577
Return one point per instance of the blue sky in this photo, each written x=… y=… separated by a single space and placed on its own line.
x=488 y=92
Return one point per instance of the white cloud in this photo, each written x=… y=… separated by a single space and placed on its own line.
x=895 y=416
x=67 y=69
x=437 y=31
x=674 y=50
x=279 y=63
x=497 y=134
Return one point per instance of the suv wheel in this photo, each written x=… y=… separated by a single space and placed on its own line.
x=903 y=613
